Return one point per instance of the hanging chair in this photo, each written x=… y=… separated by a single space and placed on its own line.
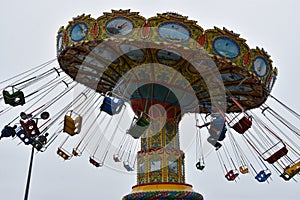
x=243 y=124
x=139 y=126
x=24 y=137
x=64 y=154
x=263 y=175
x=291 y=171
x=200 y=165
x=244 y=169
x=8 y=131
x=231 y=175
x=127 y=166
x=13 y=98
x=116 y=158
x=276 y=152
x=112 y=105
x=72 y=123
x=242 y=121
x=30 y=127
x=94 y=162
x=39 y=142
x=76 y=152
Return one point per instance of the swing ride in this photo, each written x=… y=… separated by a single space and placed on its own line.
x=161 y=68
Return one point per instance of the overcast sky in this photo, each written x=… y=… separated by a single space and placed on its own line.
x=27 y=38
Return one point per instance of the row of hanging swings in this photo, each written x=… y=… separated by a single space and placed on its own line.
x=29 y=132
x=73 y=120
x=13 y=94
x=291 y=167
x=241 y=124
x=99 y=162
x=112 y=106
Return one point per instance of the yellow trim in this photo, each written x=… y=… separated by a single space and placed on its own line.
x=162 y=187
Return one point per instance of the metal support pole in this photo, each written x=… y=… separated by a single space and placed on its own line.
x=29 y=175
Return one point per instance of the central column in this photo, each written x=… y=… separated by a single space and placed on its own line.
x=160 y=162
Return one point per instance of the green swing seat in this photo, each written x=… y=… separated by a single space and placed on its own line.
x=139 y=127
x=14 y=99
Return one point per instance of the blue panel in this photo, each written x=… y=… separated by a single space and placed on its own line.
x=174 y=32
x=260 y=66
x=79 y=31
x=226 y=47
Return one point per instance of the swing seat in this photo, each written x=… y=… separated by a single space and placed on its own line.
x=140 y=126
x=30 y=128
x=243 y=125
x=116 y=158
x=277 y=155
x=291 y=171
x=200 y=165
x=39 y=142
x=95 y=163
x=15 y=99
x=136 y=131
x=75 y=152
x=128 y=167
x=263 y=175
x=112 y=106
x=64 y=154
x=37 y=145
x=231 y=175
x=24 y=137
x=244 y=170
x=72 y=126
x=8 y=131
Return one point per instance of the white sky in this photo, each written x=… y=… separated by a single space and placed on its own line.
x=27 y=38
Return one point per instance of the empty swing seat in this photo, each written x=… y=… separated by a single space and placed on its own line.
x=128 y=167
x=95 y=163
x=24 y=137
x=8 y=131
x=30 y=128
x=112 y=106
x=291 y=171
x=64 y=154
x=140 y=126
x=116 y=158
x=277 y=155
x=15 y=99
x=263 y=175
x=242 y=125
x=75 y=152
x=244 y=170
x=200 y=165
x=37 y=145
x=72 y=126
x=231 y=175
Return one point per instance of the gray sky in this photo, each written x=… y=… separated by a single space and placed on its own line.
x=28 y=38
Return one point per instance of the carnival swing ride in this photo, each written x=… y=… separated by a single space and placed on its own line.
x=160 y=69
